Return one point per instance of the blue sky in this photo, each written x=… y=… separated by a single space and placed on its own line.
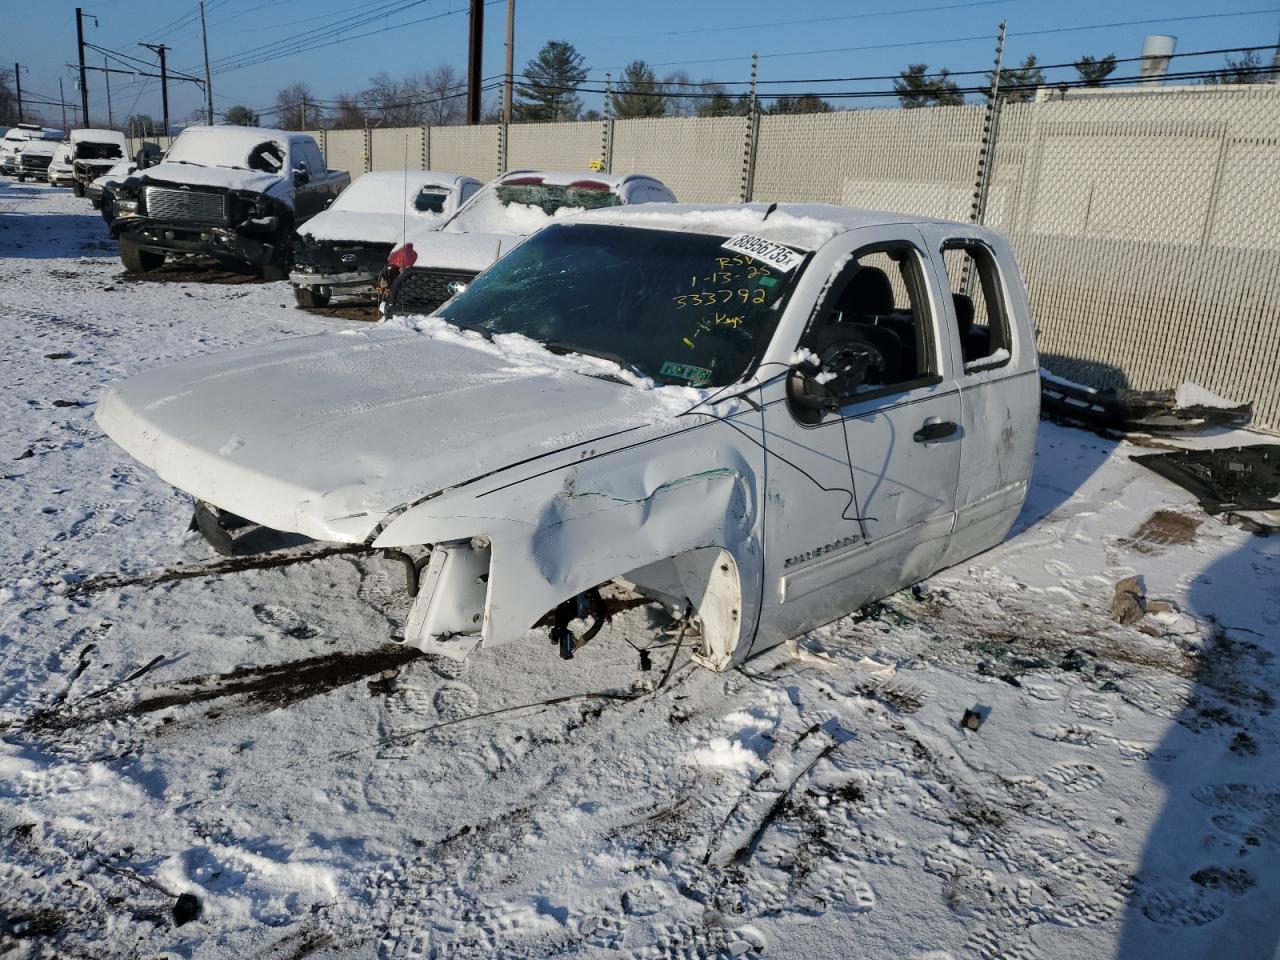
x=818 y=38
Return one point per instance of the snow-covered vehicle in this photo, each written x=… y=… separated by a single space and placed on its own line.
x=61 y=172
x=97 y=189
x=761 y=417
x=433 y=266
x=232 y=193
x=342 y=251
x=15 y=138
x=94 y=152
x=33 y=159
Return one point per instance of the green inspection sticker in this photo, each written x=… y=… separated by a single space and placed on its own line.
x=768 y=282
x=685 y=371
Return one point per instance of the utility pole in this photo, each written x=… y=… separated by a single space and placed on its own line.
x=62 y=99
x=106 y=78
x=160 y=49
x=17 y=79
x=511 y=59
x=474 y=50
x=84 y=86
x=208 y=84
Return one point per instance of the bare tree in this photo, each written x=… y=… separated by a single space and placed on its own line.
x=443 y=95
x=296 y=107
x=347 y=113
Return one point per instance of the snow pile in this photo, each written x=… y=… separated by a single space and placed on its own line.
x=1192 y=394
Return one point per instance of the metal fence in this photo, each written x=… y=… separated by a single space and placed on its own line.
x=1147 y=225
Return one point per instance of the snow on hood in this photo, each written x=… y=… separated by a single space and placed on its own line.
x=116 y=173
x=359 y=226
x=326 y=435
x=188 y=173
x=442 y=250
x=46 y=148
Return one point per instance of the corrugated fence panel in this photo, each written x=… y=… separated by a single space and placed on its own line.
x=344 y=150
x=699 y=158
x=397 y=148
x=554 y=146
x=922 y=161
x=1148 y=228
x=469 y=150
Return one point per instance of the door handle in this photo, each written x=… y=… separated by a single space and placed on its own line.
x=934 y=429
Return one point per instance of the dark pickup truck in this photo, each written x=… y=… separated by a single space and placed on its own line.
x=230 y=193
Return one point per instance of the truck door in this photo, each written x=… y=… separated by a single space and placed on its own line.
x=997 y=374
x=896 y=435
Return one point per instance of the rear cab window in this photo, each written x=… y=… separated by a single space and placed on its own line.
x=980 y=307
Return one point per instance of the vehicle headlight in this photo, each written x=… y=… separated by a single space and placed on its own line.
x=126 y=206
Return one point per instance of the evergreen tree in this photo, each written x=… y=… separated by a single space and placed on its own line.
x=1017 y=84
x=241 y=116
x=547 y=91
x=1240 y=71
x=805 y=103
x=918 y=88
x=1093 y=72
x=638 y=94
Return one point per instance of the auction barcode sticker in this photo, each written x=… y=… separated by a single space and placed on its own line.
x=766 y=251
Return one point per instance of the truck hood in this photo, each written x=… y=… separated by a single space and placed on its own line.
x=442 y=250
x=357 y=226
x=327 y=435
x=189 y=174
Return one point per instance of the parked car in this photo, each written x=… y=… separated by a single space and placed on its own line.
x=16 y=137
x=342 y=250
x=97 y=189
x=95 y=152
x=33 y=160
x=432 y=266
x=764 y=417
x=61 y=173
x=233 y=193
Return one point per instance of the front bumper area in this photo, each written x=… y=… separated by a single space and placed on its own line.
x=348 y=284
x=210 y=240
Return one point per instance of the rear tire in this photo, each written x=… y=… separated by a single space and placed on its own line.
x=310 y=297
x=22 y=178
x=77 y=188
x=137 y=260
x=96 y=204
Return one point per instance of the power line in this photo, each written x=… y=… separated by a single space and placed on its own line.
x=946 y=40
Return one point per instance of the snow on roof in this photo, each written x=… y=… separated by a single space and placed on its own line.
x=96 y=135
x=398 y=183
x=566 y=177
x=807 y=225
x=256 y=134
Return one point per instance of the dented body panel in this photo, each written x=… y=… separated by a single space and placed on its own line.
x=522 y=479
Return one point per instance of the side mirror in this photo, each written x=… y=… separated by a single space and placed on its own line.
x=301 y=174
x=825 y=381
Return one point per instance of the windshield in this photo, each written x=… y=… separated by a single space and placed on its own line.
x=676 y=307
x=237 y=149
x=522 y=207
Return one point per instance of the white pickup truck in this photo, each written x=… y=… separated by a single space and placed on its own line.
x=762 y=418
x=230 y=193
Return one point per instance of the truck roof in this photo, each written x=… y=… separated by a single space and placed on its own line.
x=93 y=135
x=807 y=225
x=256 y=134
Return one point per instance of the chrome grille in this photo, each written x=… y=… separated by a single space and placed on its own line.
x=194 y=205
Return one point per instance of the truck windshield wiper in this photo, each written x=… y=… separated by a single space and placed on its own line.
x=563 y=347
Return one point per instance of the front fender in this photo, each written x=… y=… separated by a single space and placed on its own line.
x=553 y=537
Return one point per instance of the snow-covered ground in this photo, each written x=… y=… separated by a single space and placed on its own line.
x=250 y=737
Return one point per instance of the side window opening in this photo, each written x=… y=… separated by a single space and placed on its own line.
x=977 y=293
x=429 y=200
x=876 y=314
